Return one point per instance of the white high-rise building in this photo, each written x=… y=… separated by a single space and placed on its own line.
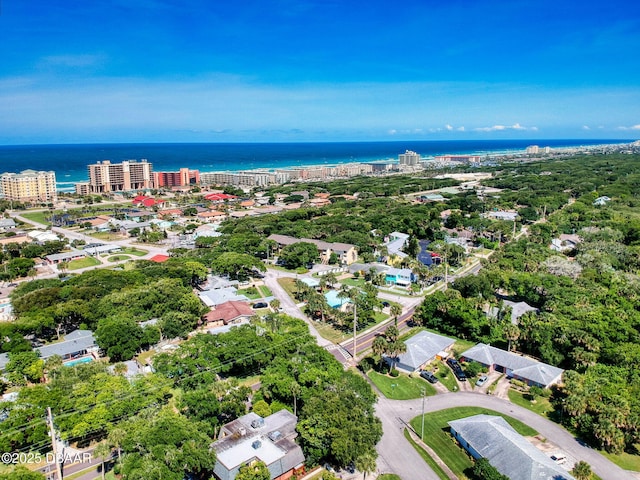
x=409 y=158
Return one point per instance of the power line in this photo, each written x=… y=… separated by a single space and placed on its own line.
x=67 y=413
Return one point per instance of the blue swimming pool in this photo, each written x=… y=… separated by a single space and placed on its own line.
x=78 y=361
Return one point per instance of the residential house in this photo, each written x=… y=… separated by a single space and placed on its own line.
x=517 y=310
x=395 y=243
x=335 y=301
x=7 y=224
x=76 y=344
x=565 y=242
x=522 y=368
x=212 y=298
x=399 y=276
x=491 y=437
x=422 y=348
x=42 y=236
x=346 y=252
x=65 y=256
x=251 y=438
x=600 y=201
x=507 y=216
x=227 y=314
x=211 y=216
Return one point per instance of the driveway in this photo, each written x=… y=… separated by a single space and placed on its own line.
x=396 y=453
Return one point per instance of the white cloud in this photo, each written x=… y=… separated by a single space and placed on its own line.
x=633 y=127
x=393 y=131
x=448 y=127
x=499 y=128
x=586 y=127
x=460 y=129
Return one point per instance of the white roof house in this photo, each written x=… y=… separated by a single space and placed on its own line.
x=396 y=242
x=515 y=366
x=491 y=437
x=251 y=437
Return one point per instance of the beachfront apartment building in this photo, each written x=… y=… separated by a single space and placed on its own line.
x=457 y=158
x=106 y=177
x=182 y=178
x=29 y=186
x=409 y=158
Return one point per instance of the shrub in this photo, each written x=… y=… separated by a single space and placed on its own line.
x=394 y=373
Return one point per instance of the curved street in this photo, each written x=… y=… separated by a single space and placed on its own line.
x=398 y=456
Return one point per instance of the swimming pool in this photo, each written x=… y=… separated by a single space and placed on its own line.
x=78 y=361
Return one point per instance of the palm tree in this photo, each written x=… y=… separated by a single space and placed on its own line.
x=102 y=451
x=275 y=304
x=379 y=347
x=116 y=437
x=331 y=278
x=511 y=333
x=582 y=470
x=366 y=463
x=396 y=311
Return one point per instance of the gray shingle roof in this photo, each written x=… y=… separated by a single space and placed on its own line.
x=511 y=454
x=518 y=365
x=74 y=342
x=421 y=348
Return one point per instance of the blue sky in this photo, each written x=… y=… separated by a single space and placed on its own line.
x=322 y=70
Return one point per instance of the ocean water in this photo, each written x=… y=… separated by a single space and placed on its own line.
x=70 y=161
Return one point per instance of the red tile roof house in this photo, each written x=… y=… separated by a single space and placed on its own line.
x=228 y=313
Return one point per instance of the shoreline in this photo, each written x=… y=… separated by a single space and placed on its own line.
x=334 y=154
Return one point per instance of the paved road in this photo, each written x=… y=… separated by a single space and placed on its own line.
x=394 y=448
x=288 y=305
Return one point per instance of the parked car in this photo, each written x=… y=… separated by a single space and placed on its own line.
x=385 y=304
x=457 y=369
x=482 y=380
x=260 y=305
x=428 y=376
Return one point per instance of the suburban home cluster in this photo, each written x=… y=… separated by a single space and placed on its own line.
x=425 y=347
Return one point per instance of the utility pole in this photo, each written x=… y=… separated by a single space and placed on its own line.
x=423 y=392
x=54 y=443
x=355 y=325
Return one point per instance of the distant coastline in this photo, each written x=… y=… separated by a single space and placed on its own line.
x=70 y=161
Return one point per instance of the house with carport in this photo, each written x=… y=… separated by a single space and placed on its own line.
x=526 y=369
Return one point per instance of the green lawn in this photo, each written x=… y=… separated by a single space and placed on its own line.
x=37 y=217
x=354 y=282
x=117 y=258
x=289 y=286
x=461 y=346
x=138 y=252
x=436 y=435
x=628 y=461
x=328 y=331
x=82 y=263
x=105 y=235
x=542 y=406
x=391 y=476
x=251 y=293
x=426 y=457
x=265 y=291
x=445 y=375
x=402 y=387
